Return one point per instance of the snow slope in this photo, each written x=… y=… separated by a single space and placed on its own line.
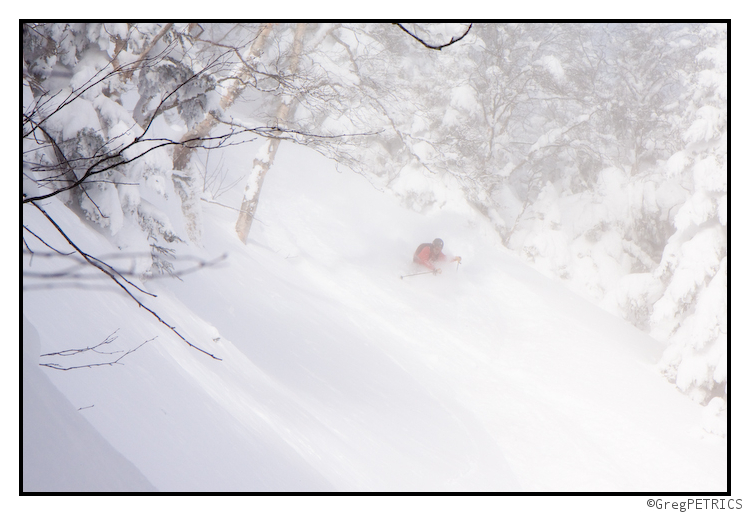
x=67 y=439
x=337 y=375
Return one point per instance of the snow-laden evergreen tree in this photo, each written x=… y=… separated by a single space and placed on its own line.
x=692 y=313
x=682 y=300
x=89 y=122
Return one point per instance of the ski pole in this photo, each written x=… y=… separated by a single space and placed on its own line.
x=418 y=273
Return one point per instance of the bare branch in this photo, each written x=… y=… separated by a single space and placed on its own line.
x=436 y=47
x=70 y=352
x=45 y=243
x=274 y=131
x=70 y=272
x=73 y=352
x=158 y=143
x=114 y=275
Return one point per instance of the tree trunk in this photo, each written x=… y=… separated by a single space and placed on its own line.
x=185 y=178
x=264 y=159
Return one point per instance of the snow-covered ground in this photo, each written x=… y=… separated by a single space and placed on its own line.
x=338 y=375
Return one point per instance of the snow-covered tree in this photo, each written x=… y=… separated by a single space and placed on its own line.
x=692 y=313
x=103 y=105
x=683 y=300
x=80 y=140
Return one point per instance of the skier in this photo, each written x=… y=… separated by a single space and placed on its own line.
x=427 y=254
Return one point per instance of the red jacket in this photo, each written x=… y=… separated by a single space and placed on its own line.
x=425 y=257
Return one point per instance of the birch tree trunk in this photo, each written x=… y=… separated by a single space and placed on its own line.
x=264 y=159
x=185 y=178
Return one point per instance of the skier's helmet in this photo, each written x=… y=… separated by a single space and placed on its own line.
x=437 y=243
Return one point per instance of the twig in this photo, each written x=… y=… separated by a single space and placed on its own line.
x=273 y=131
x=71 y=352
x=222 y=205
x=47 y=244
x=92 y=365
x=160 y=142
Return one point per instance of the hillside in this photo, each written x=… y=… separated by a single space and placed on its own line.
x=338 y=375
